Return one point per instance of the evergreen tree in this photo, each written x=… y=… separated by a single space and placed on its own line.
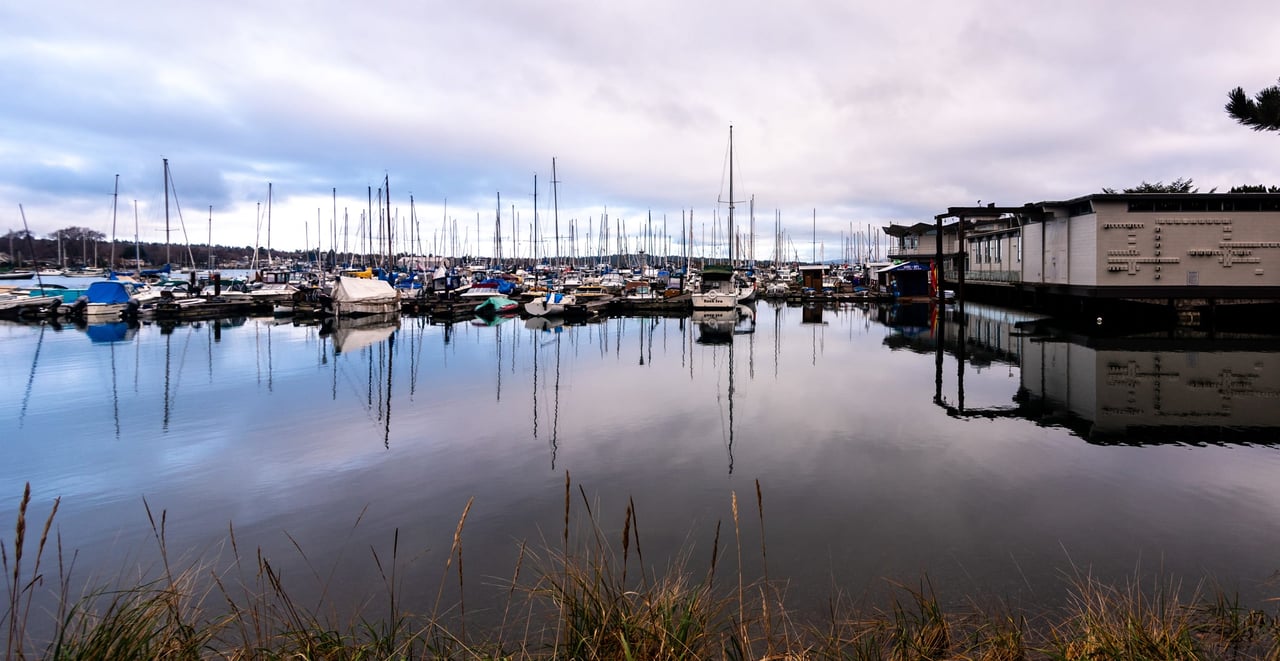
x=1261 y=113
x=1178 y=185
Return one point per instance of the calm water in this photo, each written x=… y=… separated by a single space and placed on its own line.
x=997 y=467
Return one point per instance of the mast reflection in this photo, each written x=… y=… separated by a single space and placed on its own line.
x=375 y=337
x=717 y=328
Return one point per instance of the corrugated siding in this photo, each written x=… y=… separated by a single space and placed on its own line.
x=1084 y=250
x=1032 y=264
x=1055 y=252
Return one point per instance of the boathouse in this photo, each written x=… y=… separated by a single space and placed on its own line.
x=1185 y=253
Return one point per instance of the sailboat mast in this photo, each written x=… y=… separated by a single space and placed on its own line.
x=166 y=211
x=536 y=236
x=270 y=259
x=115 y=199
x=368 y=237
x=137 y=249
x=730 y=235
x=555 y=205
x=386 y=186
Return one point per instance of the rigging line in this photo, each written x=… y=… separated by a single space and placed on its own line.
x=271 y=371
x=115 y=396
x=536 y=350
x=350 y=381
x=555 y=417
x=31 y=377
x=391 y=354
x=415 y=345
x=186 y=239
x=168 y=342
x=182 y=362
x=731 y=391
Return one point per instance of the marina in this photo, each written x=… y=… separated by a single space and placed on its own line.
x=980 y=447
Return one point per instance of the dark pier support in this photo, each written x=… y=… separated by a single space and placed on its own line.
x=938 y=265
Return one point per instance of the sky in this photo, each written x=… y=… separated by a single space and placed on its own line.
x=846 y=116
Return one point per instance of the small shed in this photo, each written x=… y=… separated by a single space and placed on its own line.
x=811 y=276
x=906 y=279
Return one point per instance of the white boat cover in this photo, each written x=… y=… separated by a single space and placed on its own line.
x=362 y=289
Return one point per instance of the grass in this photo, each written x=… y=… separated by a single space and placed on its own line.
x=589 y=595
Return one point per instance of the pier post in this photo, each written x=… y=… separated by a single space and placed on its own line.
x=962 y=256
x=937 y=261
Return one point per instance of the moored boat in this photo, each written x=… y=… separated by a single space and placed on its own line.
x=497 y=305
x=106 y=300
x=352 y=297
x=551 y=304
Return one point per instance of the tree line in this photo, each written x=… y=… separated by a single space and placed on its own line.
x=86 y=248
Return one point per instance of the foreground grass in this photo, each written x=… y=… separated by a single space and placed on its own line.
x=592 y=598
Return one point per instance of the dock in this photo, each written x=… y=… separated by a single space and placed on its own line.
x=204 y=307
x=26 y=307
x=683 y=302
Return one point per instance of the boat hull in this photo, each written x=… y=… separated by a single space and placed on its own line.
x=714 y=300
x=550 y=305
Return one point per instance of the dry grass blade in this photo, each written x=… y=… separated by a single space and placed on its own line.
x=581 y=607
x=626 y=543
x=456 y=548
x=16 y=634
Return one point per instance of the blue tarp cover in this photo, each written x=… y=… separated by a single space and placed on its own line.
x=107 y=291
x=504 y=287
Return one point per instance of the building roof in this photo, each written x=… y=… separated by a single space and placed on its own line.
x=908 y=230
x=991 y=212
x=1155 y=197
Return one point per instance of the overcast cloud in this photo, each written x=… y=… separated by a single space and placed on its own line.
x=868 y=113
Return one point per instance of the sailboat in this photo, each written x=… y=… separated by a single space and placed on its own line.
x=551 y=303
x=721 y=287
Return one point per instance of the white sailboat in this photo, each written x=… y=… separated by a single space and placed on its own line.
x=552 y=303
x=721 y=287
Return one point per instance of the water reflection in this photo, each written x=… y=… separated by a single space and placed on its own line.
x=719 y=326
x=112 y=334
x=1151 y=391
x=718 y=329
x=352 y=334
x=374 y=338
x=1169 y=387
x=889 y=441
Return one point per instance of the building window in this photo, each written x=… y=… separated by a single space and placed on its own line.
x=1187 y=205
x=999 y=249
x=1080 y=208
x=1017 y=247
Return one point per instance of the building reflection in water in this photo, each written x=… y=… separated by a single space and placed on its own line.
x=1157 y=388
